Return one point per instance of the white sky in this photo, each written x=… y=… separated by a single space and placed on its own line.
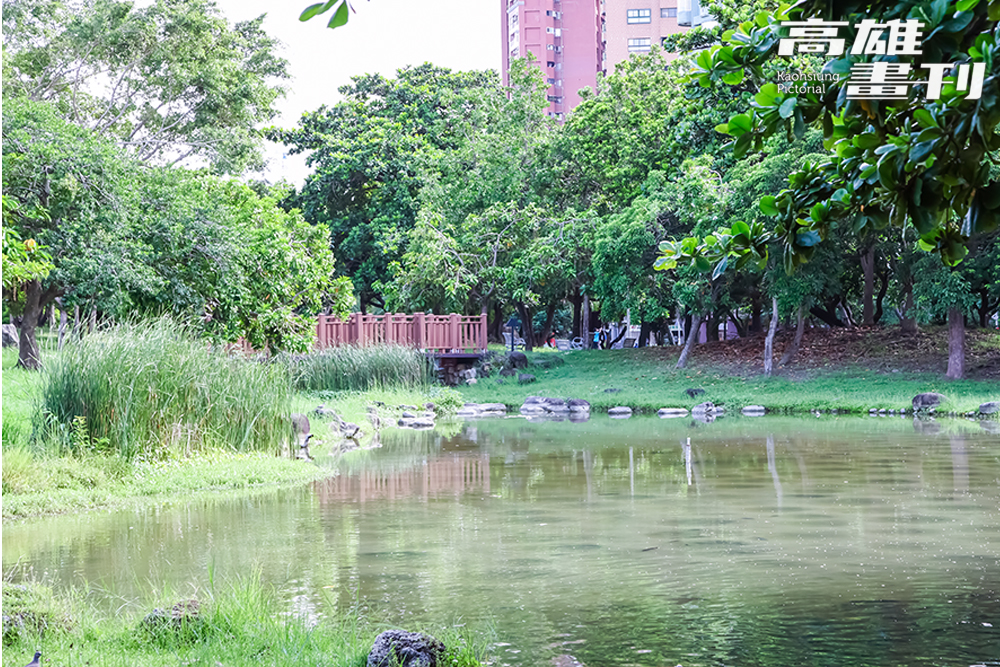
x=382 y=36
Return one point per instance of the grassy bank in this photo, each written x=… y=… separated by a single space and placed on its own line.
x=646 y=380
x=165 y=445
x=245 y=623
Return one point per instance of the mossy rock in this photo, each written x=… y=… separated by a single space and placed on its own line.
x=30 y=610
x=548 y=361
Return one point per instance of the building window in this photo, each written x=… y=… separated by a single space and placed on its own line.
x=549 y=63
x=555 y=15
x=513 y=53
x=639 y=15
x=557 y=99
x=668 y=13
x=638 y=45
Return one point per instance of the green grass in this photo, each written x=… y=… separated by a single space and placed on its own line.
x=236 y=624
x=57 y=474
x=148 y=389
x=351 y=368
x=648 y=381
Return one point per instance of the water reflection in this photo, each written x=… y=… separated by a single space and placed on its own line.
x=634 y=542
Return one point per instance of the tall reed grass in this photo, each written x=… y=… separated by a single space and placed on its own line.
x=352 y=368
x=143 y=389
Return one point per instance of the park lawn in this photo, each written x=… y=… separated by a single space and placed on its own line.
x=646 y=380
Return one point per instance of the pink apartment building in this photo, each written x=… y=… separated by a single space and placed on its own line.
x=565 y=38
x=573 y=40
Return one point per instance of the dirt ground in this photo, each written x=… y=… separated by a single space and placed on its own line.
x=878 y=349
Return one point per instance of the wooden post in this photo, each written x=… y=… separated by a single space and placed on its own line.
x=358 y=329
x=321 y=333
x=453 y=337
x=482 y=331
x=418 y=333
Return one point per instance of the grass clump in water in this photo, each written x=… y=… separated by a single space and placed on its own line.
x=144 y=389
x=353 y=368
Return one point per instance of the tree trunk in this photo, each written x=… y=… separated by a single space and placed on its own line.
x=577 y=302
x=868 y=303
x=956 y=344
x=800 y=327
x=848 y=315
x=77 y=330
x=645 y=328
x=755 y=326
x=907 y=322
x=883 y=287
x=585 y=323
x=769 y=341
x=35 y=299
x=741 y=328
x=712 y=328
x=693 y=330
x=497 y=329
x=550 y=314
x=62 y=327
x=826 y=315
x=527 y=331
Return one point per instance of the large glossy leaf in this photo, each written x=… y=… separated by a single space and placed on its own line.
x=339 y=17
x=318 y=8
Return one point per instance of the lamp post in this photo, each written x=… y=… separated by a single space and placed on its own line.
x=511 y=323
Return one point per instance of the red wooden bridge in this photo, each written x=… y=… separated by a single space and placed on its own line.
x=441 y=335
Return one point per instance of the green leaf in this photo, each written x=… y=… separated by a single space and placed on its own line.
x=702 y=264
x=925 y=118
x=919 y=151
x=787 y=107
x=339 y=17
x=767 y=206
x=965 y=5
x=807 y=239
x=867 y=140
x=720 y=268
x=318 y=8
x=740 y=124
x=740 y=227
x=733 y=78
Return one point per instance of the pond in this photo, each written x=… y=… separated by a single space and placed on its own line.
x=771 y=541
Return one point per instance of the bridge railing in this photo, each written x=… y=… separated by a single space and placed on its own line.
x=433 y=333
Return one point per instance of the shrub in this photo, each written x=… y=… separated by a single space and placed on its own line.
x=353 y=368
x=143 y=389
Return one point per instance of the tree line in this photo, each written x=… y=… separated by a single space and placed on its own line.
x=446 y=191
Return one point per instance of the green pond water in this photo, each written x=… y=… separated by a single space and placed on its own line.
x=771 y=541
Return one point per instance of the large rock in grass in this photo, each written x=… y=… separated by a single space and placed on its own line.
x=578 y=405
x=990 y=408
x=927 y=401
x=517 y=360
x=398 y=648
x=525 y=378
x=620 y=412
x=10 y=338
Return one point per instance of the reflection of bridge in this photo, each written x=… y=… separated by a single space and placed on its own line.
x=449 y=475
